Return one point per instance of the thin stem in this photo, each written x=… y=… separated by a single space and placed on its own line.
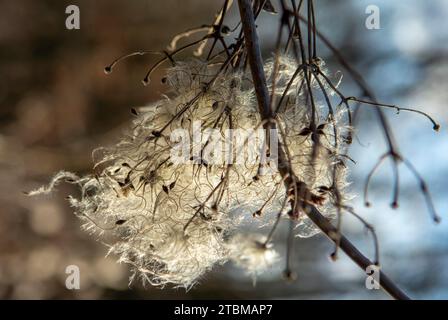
x=256 y=66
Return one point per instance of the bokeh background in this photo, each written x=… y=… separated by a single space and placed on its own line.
x=56 y=105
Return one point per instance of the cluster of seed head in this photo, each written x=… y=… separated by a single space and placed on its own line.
x=172 y=222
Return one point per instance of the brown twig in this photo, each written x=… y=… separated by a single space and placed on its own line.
x=259 y=80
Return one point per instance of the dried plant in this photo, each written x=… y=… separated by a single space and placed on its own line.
x=172 y=219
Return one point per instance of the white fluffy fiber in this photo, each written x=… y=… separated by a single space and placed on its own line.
x=139 y=202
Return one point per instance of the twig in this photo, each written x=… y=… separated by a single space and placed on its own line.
x=256 y=66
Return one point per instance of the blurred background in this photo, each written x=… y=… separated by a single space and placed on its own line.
x=56 y=105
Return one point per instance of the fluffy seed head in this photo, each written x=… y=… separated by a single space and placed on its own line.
x=171 y=220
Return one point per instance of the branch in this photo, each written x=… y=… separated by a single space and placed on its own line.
x=259 y=79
